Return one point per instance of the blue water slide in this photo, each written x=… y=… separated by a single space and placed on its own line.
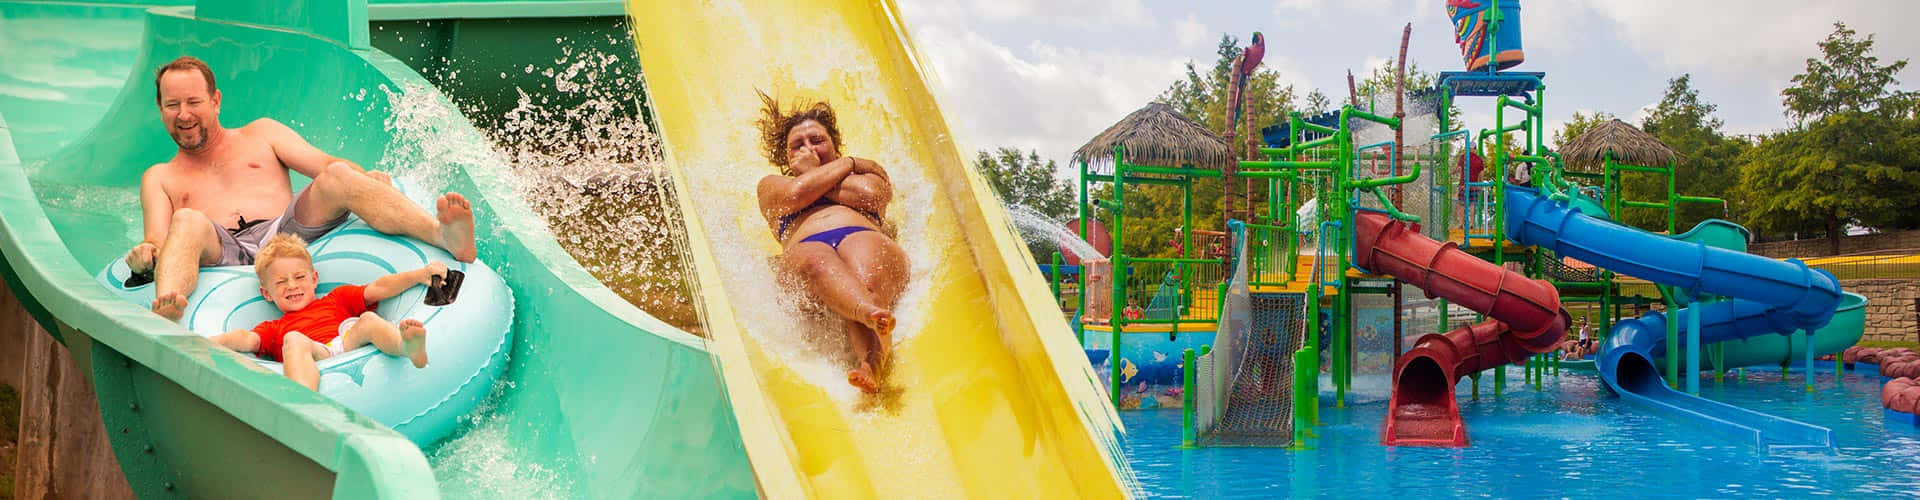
x=1628 y=368
x=1771 y=296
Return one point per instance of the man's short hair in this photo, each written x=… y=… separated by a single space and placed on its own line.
x=182 y=64
x=280 y=246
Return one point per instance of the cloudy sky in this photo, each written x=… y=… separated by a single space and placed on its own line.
x=1049 y=74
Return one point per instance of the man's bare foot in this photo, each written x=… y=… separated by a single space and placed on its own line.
x=456 y=227
x=863 y=378
x=380 y=176
x=170 y=305
x=881 y=322
x=413 y=336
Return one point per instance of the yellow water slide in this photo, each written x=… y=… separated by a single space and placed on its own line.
x=990 y=396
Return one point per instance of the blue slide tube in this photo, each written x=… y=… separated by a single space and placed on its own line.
x=1628 y=368
x=1771 y=296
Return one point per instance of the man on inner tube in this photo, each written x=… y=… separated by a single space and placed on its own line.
x=225 y=191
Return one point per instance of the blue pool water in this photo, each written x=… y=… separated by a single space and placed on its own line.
x=1570 y=439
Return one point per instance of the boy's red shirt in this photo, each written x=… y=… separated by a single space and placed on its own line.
x=319 y=321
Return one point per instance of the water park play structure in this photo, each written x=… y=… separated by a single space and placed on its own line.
x=1358 y=202
x=598 y=399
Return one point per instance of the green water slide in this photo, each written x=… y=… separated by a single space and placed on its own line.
x=600 y=400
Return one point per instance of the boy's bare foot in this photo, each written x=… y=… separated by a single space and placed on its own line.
x=413 y=336
x=863 y=378
x=170 y=305
x=881 y=322
x=456 y=227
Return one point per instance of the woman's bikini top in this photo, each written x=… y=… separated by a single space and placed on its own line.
x=822 y=201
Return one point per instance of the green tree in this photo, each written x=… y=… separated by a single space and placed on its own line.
x=1709 y=162
x=1376 y=91
x=1847 y=77
x=1317 y=102
x=1854 y=158
x=1203 y=96
x=1377 y=88
x=1025 y=180
x=1154 y=211
x=1580 y=123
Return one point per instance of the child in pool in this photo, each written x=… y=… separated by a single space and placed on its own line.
x=1133 y=310
x=313 y=328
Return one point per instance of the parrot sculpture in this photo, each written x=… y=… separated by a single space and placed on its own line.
x=1243 y=68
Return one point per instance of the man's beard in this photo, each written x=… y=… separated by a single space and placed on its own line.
x=190 y=139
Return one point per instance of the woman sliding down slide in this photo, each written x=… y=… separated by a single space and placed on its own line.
x=825 y=209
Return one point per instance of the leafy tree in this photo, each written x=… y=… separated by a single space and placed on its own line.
x=1855 y=158
x=1317 y=102
x=1154 y=212
x=1580 y=123
x=1848 y=77
x=1028 y=181
x=1709 y=162
x=1203 y=96
x=1377 y=90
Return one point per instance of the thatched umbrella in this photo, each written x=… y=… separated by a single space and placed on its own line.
x=1628 y=145
x=1157 y=135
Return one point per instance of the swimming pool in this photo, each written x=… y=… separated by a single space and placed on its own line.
x=1570 y=439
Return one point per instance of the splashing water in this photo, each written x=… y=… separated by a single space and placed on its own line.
x=484 y=463
x=1033 y=224
x=1419 y=126
x=590 y=169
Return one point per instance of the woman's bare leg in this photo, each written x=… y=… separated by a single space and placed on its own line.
x=830 y=280
x=865 y=374
x=882 y=266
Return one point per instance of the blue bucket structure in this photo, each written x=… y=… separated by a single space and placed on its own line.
x=1471 y=27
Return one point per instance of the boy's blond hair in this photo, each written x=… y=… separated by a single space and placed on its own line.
x=280 y=246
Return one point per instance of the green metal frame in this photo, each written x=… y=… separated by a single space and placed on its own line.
x=1332 y=184
x=1123 y=174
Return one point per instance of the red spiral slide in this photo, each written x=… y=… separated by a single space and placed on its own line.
x=1527 y=319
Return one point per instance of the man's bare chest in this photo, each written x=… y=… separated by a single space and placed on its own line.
x=249 y=172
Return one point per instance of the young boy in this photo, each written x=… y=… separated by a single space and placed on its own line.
x=314 y=329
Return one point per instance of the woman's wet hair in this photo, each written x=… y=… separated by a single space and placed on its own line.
x=774 y=126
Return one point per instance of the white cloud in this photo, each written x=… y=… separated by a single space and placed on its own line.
x=1043 y=97
x=1190 y=32
x=1295 y=5
x=1763 y=38
x=1081 y=14
x=1556 y=25
x=1641 y=114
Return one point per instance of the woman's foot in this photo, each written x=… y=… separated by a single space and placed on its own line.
x=881 y=322
x=413 y=336
x=864 y=378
